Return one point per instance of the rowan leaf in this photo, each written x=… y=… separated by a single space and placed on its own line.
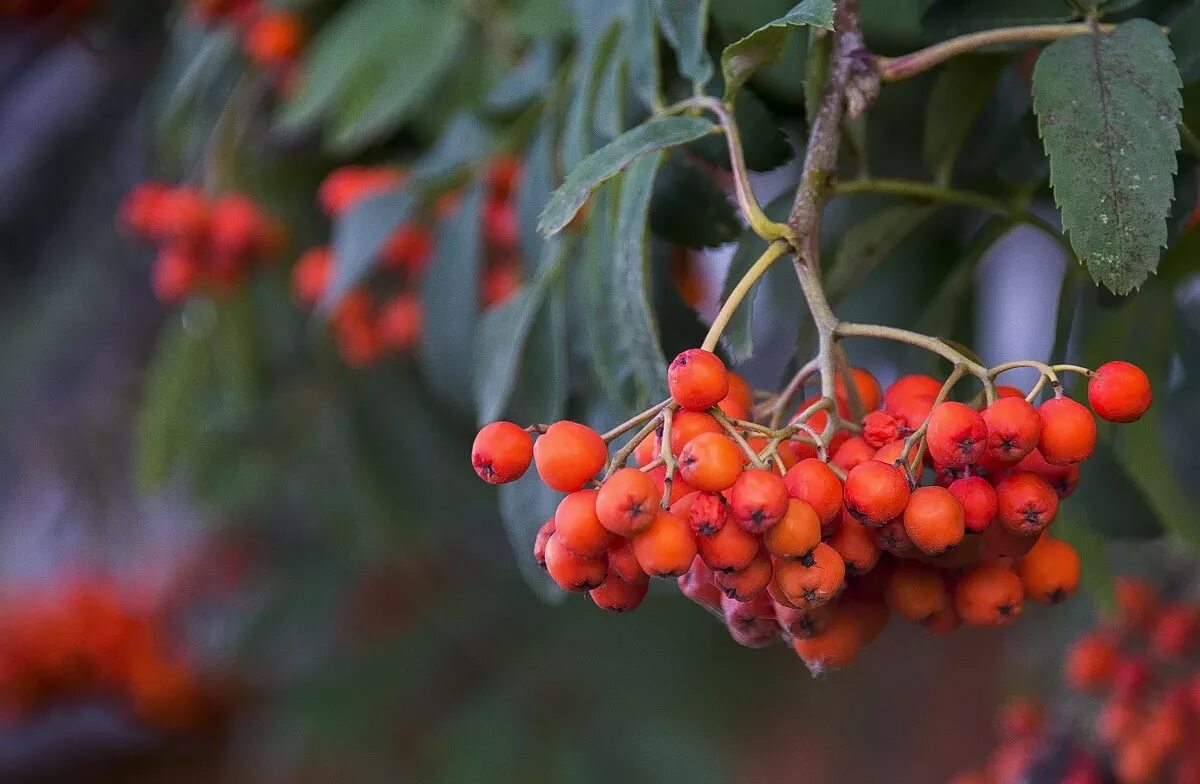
x=685 y=25
x=764 y=46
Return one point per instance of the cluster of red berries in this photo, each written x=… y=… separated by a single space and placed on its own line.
x=204 y=244
x=798 y=554
x=1142 y=669
x=271 y=38
x=94 y=639
x=385 y=315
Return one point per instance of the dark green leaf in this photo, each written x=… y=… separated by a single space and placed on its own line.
x=637 y=335
x=689 y=209
x=765 y=46
x=959 y=95
x=1185 y=42
x=1108 y=501
x=450 y=294
x=360 y=235
x=593 y=297
x=1108 y=111
x=542 y=18
x=685 y=24
x=869 y=243
x=765 y=146
x=606 y=162
x=525 y=83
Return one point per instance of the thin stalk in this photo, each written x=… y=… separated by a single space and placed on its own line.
x=772 y=254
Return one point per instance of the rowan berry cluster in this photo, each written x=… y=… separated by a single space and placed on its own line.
x=814 y=532
x=94 y=639
x=384 y=315
x=271 y=38
x=204 y=244
x=1143 y=717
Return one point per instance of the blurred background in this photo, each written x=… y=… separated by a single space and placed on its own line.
x=241 y=540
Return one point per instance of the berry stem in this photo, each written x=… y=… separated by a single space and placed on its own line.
x=666 y=455
x=932 y=344
x=736 y=435
x=772 y=254
x=893 y=69
x=777 y=405
x=622 y=456
x=917 y=438
x=629 y=424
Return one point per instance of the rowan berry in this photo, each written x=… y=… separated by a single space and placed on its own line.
x=711 y=462
x=880 y=428
x=957 y=435
x=568 y=455
x=748 y=582
x=1137 y=603
x=758 y=499
x=869 y=393
x=944 y=621
x=790 y=452
x=853 y=626
x=707 y=514
x=892 y=538
x=174 y=275
x=876 y=492
x=793 y=622
x=617 y=595
x=539 y=543
x=813 y=481
x=501 y=452
x=275 y=38
x=916 y=591
x=1013 y=429
x=933 y=520
x=1004 y=547
x=1050 y=570
x=1131 y=678
x=237 y=228
x=697 y=379
x=910 y=386
x=737 y=402
x=400 y=321
x=751 y=624
x=1117 y=721
x=181 y=216
x=139 y=209
x=912 y=411
x=1025 y=503
x=622 y=561
x=679 y=488
x=796 y=533
x=501 y=282
x=979 y=502
x=627 y=502
x=410 y=248
x=697 y=584
x=1068 y=431
x=989 y=595
x=577 y=526
x=1062 y=478
x=647 y=451
x=346 y=186
x=813 y=581
x=1175 y=632
x=1020 y=719
x=573 y=572
x=666 y=548
x=853 y=542
x=1119 y=392
x=1090 y=663
x=727 y=550
x=854 y=451
x=891 y=452
x=310 y=276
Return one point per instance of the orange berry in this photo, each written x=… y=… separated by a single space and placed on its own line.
x=310 y=276
x=410 y=248
x=912 y=411
x=697 y=379
x=174 y=275
x=627 y=502
x=707 y=514
x=1068 y=431
x=1175 y=631
x=812 y=481
x=852 y=452
x=737 y=402
x=697 y=584
x=853 y=542
x=892 y=538
x=1119 y=392
x=501 y=452
x=1050 y=571
x=1004 y=390
x=978 y=499
x=539 y=543
x=711 y=462
x=618 y=595
x=1137 y=603
x=751 y=623
x=758 y=499
x=679 y=488
x=796 y=533
x=916 y=591
x=577 y=526
x=933 y=520
x=944 y=621
x=666 y=548
x=622 y=561
x=686 y=425
x=890 y=452
x=181 y=215
x=989 y=596
x=727 y=550
x=1025 y=503
x=910 y=386
x=1090 y=663
x=850 y=628
x=748 y=582
x=1062 y=478
x=880 y=428
x=400 y=321
x=647 y=451
x=957 y=435
x=811 y=581
x=237 y=228
x=275 y=38
x=573 y=572
x=139 y=209
x=1013 y=428
x=869 y=392
x=568 y=455
x=346 y=186
x=1005 y=547
x=876 y=492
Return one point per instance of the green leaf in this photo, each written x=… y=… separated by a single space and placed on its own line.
x=463 y=142
x=765 y=46
x=656 y=134
x=685 y=25
x=542 y=18
x=525 y=83
x=501 y=336
x=946 y=18
x=641 y=37
x=1108 y=111
x=533 y=191
x=450 y=294
x=862 y=249
x=637 y=333
x=541 y=393
x=689 y=209
x=360 y=235
x=1185 y=42
x=592 y=297
x=608 y=117
x=525 y=505
x=1108 y=501
x=959 y=95
x=765 y=146
x=589 y=69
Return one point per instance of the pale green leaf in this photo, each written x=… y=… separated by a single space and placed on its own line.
x=765 y=46
x=359 y=236
x=685 y=25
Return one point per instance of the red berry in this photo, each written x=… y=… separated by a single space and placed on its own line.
x=933 y=520
x=876 y=492
x=910 y=386
x=697 y=379
x=1119 y=392
x=568 y=455
x=501 y=453
x=1025 y=503
x=812 y=481
x=758 y=499
x=618 y=595
x=577 y=526
x=978 y=499
x=1068 y=431
x=666 y=548
x=573 y=572
x=627 y=502
x=880 y=428
x=957 y=435
x=1013 y=428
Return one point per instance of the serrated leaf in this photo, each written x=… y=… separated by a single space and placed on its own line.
x=1108 y=501
x=1108 y=111
x=637 y=335
x=959 y=95
x=359 y=236
x=525 y=505
x=689 y=209
x=685 y=25
x=765 y=46
x=1185 y=42
x=450 y=295
x=645 y=76
x=655 y=134
x=526 y=82
x=869 y=243
x=765 y=145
